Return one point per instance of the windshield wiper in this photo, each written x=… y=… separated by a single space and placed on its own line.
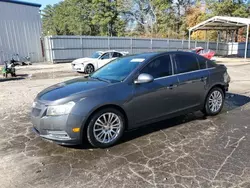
x=100 y=79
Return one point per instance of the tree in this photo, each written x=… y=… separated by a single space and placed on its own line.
x=150 y=18
x=106 y=16
x=49 y=26
x=69 y=17
x=77 y=17
x=72 y=17
x=165 y=17
x=228 y=8
x=195 y=15
x=139 y=15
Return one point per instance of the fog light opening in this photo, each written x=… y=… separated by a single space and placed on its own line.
x=58 y=134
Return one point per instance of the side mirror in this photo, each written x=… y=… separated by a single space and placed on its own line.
x=144 y=78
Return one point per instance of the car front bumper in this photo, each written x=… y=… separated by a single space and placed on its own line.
x=78 y=68
x=57 y=128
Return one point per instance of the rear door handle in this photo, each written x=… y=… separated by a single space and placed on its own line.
x=203 y=79
x=172 y=86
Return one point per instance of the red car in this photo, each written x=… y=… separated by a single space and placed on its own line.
x=205 y=53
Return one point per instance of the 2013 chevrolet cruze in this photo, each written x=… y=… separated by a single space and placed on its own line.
x=126 y=93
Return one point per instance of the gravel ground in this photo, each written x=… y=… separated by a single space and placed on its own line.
x=187 y=151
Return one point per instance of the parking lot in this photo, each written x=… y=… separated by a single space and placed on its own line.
x=186 y=151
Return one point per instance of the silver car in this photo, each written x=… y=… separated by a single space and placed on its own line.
x=126 y=93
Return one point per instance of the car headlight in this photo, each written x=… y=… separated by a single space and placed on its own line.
x=60 y=109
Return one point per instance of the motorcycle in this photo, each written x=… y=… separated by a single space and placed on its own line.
x=9 y=68
x=16 y=60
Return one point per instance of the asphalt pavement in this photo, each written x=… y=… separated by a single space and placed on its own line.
x=186 y=151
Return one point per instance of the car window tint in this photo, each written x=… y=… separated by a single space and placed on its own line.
x=113 y=71
x=202 y=62
x=186 y=63
x=116 y=54
x=159 y=67
x=210 y=64
x=105 y=56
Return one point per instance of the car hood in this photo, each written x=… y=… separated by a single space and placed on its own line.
x=83 y=60
x=69 y=88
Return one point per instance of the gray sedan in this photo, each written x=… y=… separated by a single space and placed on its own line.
x=126 y=93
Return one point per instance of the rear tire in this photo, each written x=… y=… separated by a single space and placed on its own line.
x=214 y=102
x=105 y=128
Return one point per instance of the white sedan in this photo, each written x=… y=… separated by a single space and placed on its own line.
x=90 y=64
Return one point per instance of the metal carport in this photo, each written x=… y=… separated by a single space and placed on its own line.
x=223 y=23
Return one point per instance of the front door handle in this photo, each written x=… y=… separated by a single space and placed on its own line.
x=172 y=86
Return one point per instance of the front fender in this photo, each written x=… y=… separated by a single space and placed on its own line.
x=114 y=95
x=87 y=106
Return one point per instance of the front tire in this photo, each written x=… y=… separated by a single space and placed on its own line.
x=89 y=69
x=214 y=102
x=105 y=128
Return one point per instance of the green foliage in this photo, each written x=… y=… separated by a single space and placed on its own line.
x=105 y=15
x=228 y=8
x=82 y=17
x=157 y=18
x=49 y=25
x=164 y=15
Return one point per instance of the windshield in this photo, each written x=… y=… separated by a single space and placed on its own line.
x=118 y=69
x=96 y=55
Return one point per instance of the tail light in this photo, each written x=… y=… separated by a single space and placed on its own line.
x=227 y=78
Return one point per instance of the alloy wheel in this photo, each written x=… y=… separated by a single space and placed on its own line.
x=215 y=101
x=89 y=69
x=107 y=127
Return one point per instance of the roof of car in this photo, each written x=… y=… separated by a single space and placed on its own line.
x=109 y=51
x=148 y=55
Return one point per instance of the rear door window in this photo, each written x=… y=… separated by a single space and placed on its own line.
x=210 y=64
x=116 y=54
x=186 y=63
x=159 y=67
x=202 y=62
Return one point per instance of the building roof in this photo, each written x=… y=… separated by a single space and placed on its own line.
x=222 y=23
x=22 y=3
